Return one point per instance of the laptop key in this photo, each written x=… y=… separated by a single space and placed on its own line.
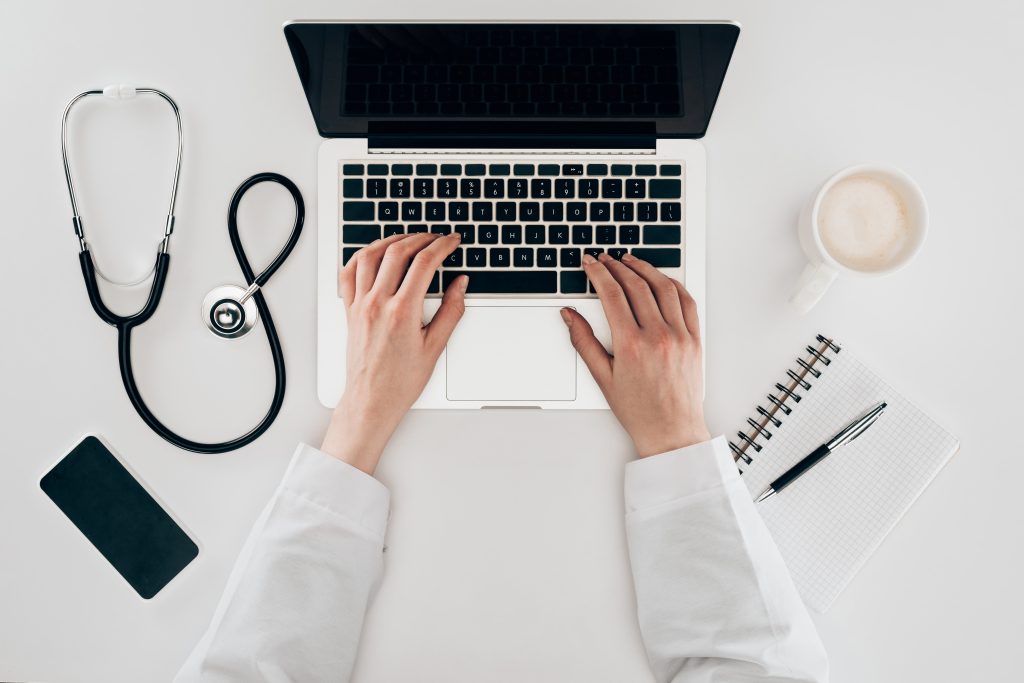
x=647 y=211
x=488 y=234
x=622 y=169
x=494 y=189
x=600 y=211
x=352 y=188
x=498 y=169
x=547 y=169
x=597 y=169
x=401 y=169
x=523 y=169
x=454 y=259
x=565 y=189
x=572 y=169
x=606 y=234
x=435 y=211
x=617 y=253
x=377 y=169
x=553 y=212
x=511 y=234
x=376 y=188
x=582 y=234
x=623 y=211
x=357 y=211
x=671 y=212
x=671 y=169
x=540 y=188
x=573 y=282
x=418 y=227
x=570 y=258
x=611 y=188
x=470 y=188
x=506 y=212
x=547 y=258
x=441 y=229
x=629 y=234
x=458 y=211
x=448 y=188
x=588 y=189
x=636 y=188
x=468 y=233
x=646 y=169
x=393 y=229
x=593 y=251
x=352 y=169
x=665 y=189
x=451 y=169
x=483 y=211
x=535 y=234
x=411 y=211
x=475 y=169
x=500 y=258
x=662 y=258
x=426 y=169
x=506 y=282
x=435 y=284
x=387 y=211
x=522 y=258
x=517 y=188
x=558 y=234
x=360 y=234
x=662 y=234
x=576 y=212
x=476 y=258
x=424 y=189
x=529 y=212
x=347 y=253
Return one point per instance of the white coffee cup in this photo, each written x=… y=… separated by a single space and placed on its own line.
x=877 y=207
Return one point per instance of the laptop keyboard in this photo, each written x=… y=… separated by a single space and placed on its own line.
x=526 y=226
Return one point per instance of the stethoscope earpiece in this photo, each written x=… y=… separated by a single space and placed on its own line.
x=230 y=312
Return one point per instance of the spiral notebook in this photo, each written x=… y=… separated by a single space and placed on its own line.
x=829 y=522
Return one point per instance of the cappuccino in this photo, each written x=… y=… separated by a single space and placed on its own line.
x=864 y=224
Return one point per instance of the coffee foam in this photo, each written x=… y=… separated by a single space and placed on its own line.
x=864 y=223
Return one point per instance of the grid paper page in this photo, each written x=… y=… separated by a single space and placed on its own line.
x=827 y=523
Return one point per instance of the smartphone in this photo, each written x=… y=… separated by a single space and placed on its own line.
x=119 y=517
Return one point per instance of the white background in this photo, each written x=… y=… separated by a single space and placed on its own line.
x=506 y=558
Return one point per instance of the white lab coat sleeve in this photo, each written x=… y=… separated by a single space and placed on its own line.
x=714 y=599
x=295 y=601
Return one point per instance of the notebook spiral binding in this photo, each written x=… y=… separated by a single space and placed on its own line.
x=787 y=393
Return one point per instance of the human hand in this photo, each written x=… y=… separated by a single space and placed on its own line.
x=391 y=353
x=653 y=383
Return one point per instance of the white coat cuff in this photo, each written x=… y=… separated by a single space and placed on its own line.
x=338 y=487
x=659 y=479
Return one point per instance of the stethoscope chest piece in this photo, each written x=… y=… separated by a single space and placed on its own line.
x=230 y=312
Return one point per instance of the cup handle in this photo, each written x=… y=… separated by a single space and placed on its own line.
x=812 y=285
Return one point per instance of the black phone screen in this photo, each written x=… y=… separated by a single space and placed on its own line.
x=119 y=517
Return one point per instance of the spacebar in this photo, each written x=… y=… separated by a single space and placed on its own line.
x=506 y=282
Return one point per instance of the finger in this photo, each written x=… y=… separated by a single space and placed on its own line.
x=613 y=299
x=689 y=310
x=448 y=315
x=663 y=288
x=641 y=299
x=425 y=265
x=396 y=260
x=593 y=353
x=347 y=282
x=366 y=262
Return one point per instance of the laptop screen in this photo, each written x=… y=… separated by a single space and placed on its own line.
x=469 y=81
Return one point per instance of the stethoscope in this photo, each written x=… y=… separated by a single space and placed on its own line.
x=229 y=311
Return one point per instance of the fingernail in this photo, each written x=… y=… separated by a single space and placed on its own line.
x=588 y=259
x=566 y=317
x=628 y=257
x=457 y=236
x=463 y=283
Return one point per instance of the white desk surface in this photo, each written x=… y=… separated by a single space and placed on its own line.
x=506 y=560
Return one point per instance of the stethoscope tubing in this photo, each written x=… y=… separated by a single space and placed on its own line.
x=126 y=323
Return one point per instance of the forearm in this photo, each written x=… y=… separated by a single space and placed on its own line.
x=715 y=601
x=294 y=604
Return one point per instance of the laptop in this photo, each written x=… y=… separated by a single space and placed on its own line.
x=539 y=143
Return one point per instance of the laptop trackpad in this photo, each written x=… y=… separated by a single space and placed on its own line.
x=511 y=353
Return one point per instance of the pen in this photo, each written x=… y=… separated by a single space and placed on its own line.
x=848 y=434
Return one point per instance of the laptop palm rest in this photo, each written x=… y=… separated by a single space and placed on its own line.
x=511 y=353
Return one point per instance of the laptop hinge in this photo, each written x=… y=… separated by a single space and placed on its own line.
x=513 y=144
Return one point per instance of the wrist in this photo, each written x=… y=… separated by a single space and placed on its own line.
x=655 y=443
x=357 y=436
